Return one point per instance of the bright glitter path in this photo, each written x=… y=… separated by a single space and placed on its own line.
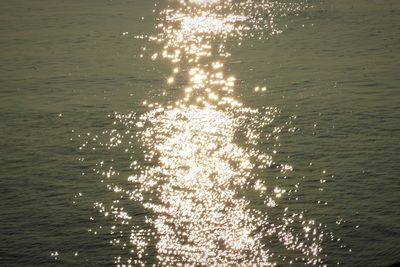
x=195 y=181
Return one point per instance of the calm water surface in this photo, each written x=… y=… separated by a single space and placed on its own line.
x=200 y=132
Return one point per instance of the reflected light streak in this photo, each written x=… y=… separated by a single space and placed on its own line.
x=197 y=177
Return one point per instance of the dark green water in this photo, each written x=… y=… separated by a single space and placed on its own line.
x=333 y=91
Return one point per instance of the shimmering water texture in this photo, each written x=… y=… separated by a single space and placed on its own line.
x=192 y=159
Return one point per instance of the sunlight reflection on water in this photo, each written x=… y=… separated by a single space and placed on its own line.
x=196 y=178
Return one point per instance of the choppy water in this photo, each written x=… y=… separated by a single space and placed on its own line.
x=200 y=132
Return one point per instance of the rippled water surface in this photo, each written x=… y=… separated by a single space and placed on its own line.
x=200 y=133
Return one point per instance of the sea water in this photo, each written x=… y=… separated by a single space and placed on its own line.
x=200 y=132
